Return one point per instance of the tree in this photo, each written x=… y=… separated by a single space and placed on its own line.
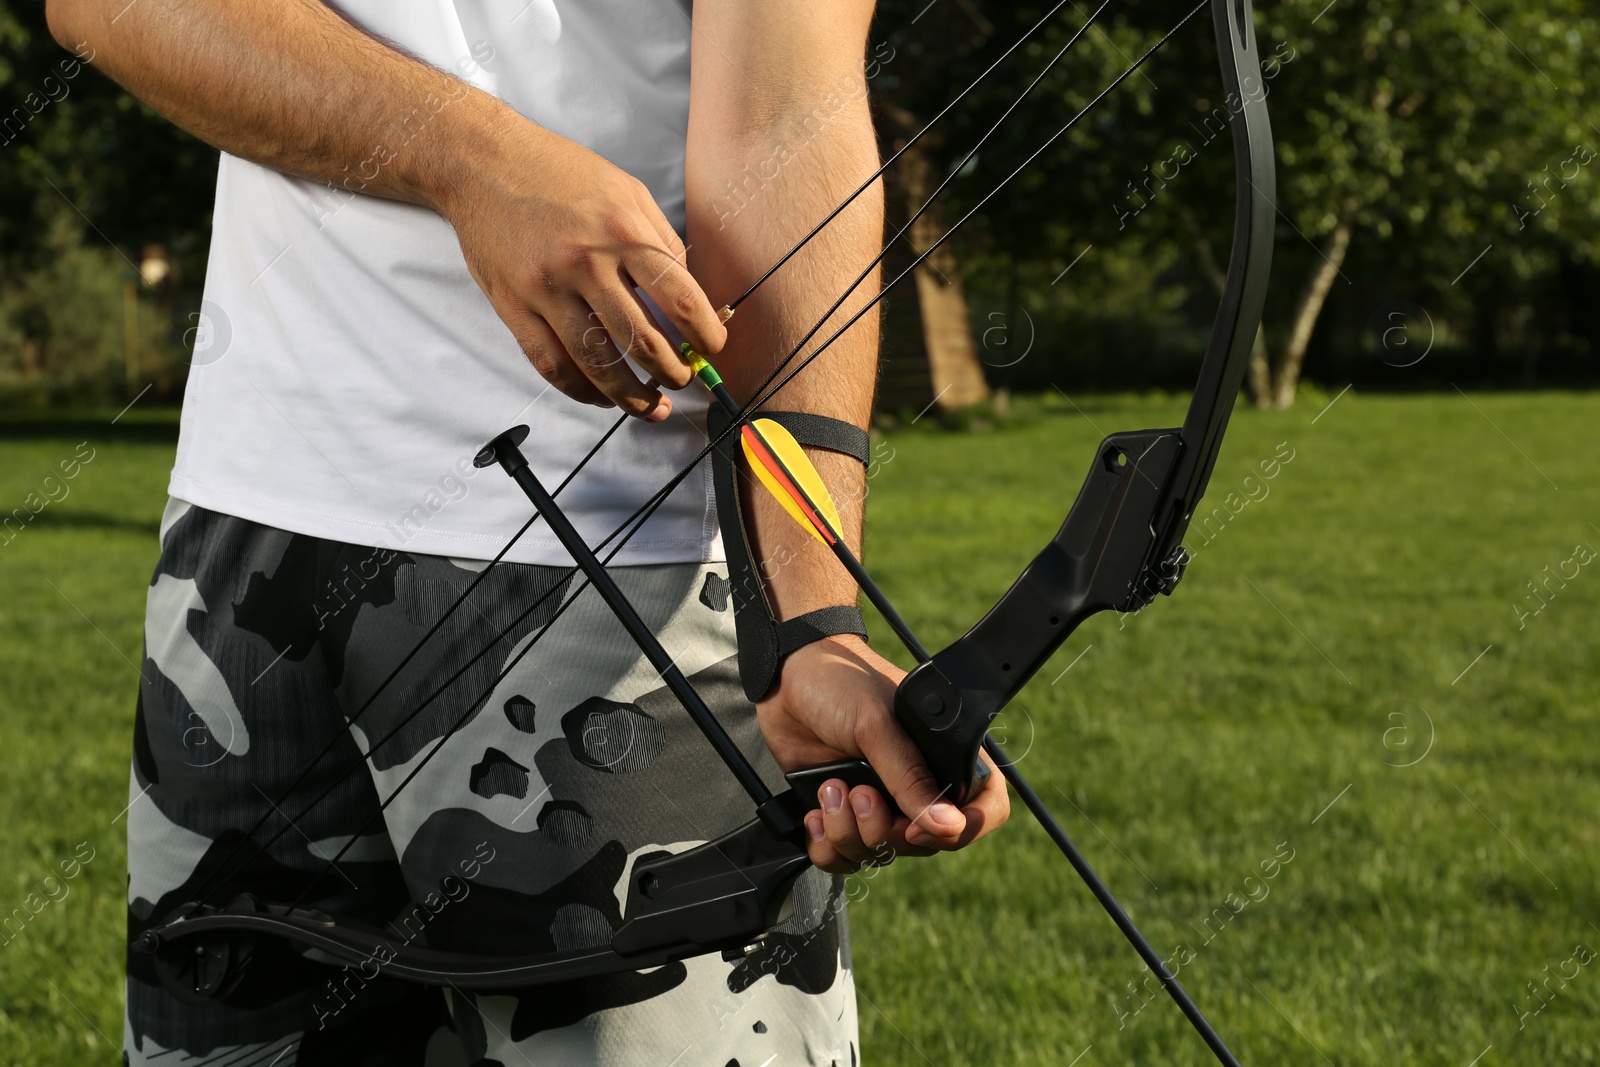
x=69 y=134
x=1416 y=130
x=929 y=352
x=1413 y=138
x=89 y=177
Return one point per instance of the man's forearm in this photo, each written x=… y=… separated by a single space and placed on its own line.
x=779 y=134
x=291 y=85
x=555 y=236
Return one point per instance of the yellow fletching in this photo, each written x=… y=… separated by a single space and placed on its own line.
x=781 y=443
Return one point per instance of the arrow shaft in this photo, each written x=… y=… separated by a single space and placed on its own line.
x=1135 y=937
x=1035 y=805
x=834 y=539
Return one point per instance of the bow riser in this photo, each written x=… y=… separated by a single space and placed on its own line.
x=1122 y=541
x=1091 y=565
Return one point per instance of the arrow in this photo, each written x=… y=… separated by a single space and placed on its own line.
x=784 y=470
x=782 y=466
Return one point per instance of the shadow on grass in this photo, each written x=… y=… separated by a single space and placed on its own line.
x=153 y=426
x=93 y=520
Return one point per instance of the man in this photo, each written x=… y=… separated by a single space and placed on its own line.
x=379 y=158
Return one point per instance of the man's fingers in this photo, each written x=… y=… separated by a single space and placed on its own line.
x=856 y=828
x=984 y=814
x=990 y=809
x=839 y=823
x=881 y=831
x=821 y=853
x=549 y=356
x=589 y=343
x=658 y=222
x=634 y=332
x=679 y=296
x=912 y=785
x=874 y=821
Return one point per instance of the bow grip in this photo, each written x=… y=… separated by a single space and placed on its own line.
x=929 y=708
x=853 y=772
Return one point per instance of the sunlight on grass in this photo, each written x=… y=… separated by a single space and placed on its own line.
x=1330 y=632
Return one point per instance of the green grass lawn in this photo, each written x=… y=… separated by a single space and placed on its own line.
x=1329 y=634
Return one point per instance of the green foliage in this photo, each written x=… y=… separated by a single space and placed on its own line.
x=65 y=331
x=87 y=144
x=1121 y=322
x=1426 y=123
x=1423 y=123
x=88 y=177
x=1184 y=746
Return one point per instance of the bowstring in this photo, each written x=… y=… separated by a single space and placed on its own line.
x=410 y=716
x=637 y=520
x=654 y=503
x=763 y=393
x=866 y=272
x=209 y=883
x=864 y=186
x=790 y=375
x=766 y=390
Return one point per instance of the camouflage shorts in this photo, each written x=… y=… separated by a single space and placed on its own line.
x=260 y=647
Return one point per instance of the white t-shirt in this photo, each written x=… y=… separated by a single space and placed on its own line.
x=347 y=367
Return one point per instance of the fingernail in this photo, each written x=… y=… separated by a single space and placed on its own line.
x=832 y=797
x=916 y=835
x=814 y=828
x=660 y=412
x=862 y=805
x=945 y=813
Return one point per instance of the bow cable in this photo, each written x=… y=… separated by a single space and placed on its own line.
x=763 y=397
x=1141 y=945
x=955 y=172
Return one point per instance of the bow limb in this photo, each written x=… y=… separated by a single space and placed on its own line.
x=723 y=895
x=1121 y=543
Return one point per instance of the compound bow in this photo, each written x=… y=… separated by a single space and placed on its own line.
x=1119 y=546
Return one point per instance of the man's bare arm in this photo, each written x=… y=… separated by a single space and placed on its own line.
x=779 y=133
x=550 y=230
